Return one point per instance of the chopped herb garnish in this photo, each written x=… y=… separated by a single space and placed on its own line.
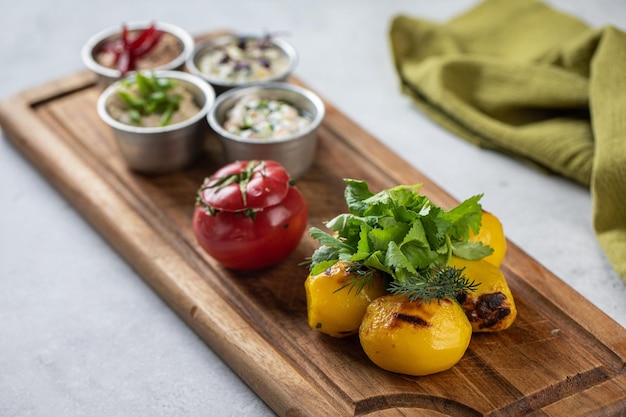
x=242 y=178
x=146 y=95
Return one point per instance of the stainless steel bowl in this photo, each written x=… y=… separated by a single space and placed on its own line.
x=295 y=153
x=221 y=86
x=109 y=75
x=160 y=150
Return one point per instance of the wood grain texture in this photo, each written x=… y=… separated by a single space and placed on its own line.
x=561 y=357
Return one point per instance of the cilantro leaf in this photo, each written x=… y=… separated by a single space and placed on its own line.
x=356 y=192
x=471 y=250
x=463 y=217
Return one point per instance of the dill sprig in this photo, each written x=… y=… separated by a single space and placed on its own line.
x=434 y=284
x=357 y=278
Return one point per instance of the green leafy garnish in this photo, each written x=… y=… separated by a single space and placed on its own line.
x=146 y=95
x=404 y=235
x=434 y=284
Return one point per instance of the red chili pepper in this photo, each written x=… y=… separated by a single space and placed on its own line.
x=145 y=34
x=148 y=44
x=124 y=62
x=126 y=51
x=125 y=35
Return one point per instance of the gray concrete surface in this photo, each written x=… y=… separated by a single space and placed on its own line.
x=82 y=335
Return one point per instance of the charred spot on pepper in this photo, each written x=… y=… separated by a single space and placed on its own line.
x=499 y=315
x=407 y=318
x=487 y=310
x=461 y=297
x=489 y=302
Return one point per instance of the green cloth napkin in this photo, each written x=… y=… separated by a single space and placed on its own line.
x=522 y=78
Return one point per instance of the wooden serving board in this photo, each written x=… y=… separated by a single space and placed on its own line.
x=562 y=357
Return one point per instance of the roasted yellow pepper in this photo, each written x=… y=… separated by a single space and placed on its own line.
x=412 y=337
x=491 y=233
x=334 y=306
x=491 y=306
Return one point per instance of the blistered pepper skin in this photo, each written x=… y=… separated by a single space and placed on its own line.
x=414 y=338
x=334 y=310
x=491 y=307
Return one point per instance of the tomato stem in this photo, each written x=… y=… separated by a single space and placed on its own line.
x=242 y=178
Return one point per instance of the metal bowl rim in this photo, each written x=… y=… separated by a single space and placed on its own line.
x=282 y=44
x=95 y=40
x=206 y=89
x=272 y=86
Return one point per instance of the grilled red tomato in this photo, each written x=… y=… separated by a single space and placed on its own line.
x=249 y=216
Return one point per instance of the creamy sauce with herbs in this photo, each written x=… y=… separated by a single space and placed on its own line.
x=243 y=61
x=256 y=118
x=120 y=110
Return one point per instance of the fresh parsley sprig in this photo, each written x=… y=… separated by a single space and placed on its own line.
x=404 y=235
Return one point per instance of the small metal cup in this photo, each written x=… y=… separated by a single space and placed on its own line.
x=108 y=75
x=160 y=150
x=221 y=86
x=295 y=153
